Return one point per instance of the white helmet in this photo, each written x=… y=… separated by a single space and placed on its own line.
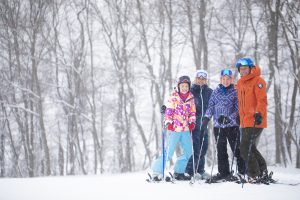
x=201 y=73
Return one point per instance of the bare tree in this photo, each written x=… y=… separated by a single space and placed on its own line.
x=198 y=37
x=288 y=15
x=117 y=34
x=232 y=29
x=74 y=76
x=37 y=17
x=25 y=80
x=256 y=22
x=273 y=13
x=98 y=143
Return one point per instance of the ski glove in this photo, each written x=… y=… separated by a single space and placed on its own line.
x=192 y=126
x=170 y=127
x=223 y=120
x=205 y=121
x=163 y=109
x=258 y=118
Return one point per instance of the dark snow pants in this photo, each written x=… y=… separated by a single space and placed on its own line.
x=256 y=163
x=199 y=161
x=200 y=145
x=232 y=134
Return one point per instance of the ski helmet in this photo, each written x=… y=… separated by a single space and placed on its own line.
x=201 y=74
x=183 y=79
x=244 y=62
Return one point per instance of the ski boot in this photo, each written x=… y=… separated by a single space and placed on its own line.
x=154 y=177
x=241 y=179
x=271 y=180
x=182 y=176
x=204 y=176
x=169 y=178
x=264 y=178
x=231 y=177
x=197 y=176
x=217 y=178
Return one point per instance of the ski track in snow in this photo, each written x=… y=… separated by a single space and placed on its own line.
x=132 y=186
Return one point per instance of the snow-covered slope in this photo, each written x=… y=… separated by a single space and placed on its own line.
x=132 y=186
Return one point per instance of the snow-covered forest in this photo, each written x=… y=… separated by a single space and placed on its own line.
x=82 y=81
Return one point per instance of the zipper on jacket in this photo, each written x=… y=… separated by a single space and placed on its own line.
x=188 y=100
x=243 y=94
x=244 y=98
x=201 y=105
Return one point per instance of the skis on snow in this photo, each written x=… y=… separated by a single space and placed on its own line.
x=156 y=179
x=235 y=179
x=269 y=181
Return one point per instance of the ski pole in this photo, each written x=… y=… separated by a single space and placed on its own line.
x=234 y=150
x=195 y=170
x=202 y=141
x=167 y=150
x=193 y=178
x=249 y=153
x=162 y=111
x=216 y=146
x=215 y=151
x=200 y=152
x=163 y=148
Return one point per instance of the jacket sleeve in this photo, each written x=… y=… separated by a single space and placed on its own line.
x=169 y=110
x=235 y=110
x=192 y=114
x=260 y=91
x=211 y=106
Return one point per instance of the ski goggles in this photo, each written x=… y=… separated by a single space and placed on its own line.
x=184 y=79
x=226 y=72
x=201 y=75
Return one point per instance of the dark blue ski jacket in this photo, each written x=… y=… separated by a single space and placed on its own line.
x=201 y=97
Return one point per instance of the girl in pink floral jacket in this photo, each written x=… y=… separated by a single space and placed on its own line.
x=180 y=117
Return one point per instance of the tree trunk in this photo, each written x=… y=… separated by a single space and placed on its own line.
x=202 y=41
x=275 y=72
x=298 y=155
x=2 y=147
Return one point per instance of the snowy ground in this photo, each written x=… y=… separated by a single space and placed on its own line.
x=134 y=187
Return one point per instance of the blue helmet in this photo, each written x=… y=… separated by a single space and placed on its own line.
x=244 y=62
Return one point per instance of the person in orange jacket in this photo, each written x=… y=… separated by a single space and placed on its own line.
x=252 y=101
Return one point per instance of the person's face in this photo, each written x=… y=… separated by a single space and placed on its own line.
x=184 y=88
x=244 y=70
x=201 y=81
x=226 y=81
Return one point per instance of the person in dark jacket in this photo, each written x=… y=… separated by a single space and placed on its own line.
x=223 y=107
x=201 y=93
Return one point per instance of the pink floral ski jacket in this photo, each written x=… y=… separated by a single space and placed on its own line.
x=180 y=113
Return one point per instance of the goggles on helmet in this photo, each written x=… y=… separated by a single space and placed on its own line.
x=201 y=75
x=226 y=72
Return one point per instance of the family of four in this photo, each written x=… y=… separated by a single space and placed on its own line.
x=239 y=115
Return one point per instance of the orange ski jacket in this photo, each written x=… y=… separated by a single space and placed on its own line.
x=252 y=98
